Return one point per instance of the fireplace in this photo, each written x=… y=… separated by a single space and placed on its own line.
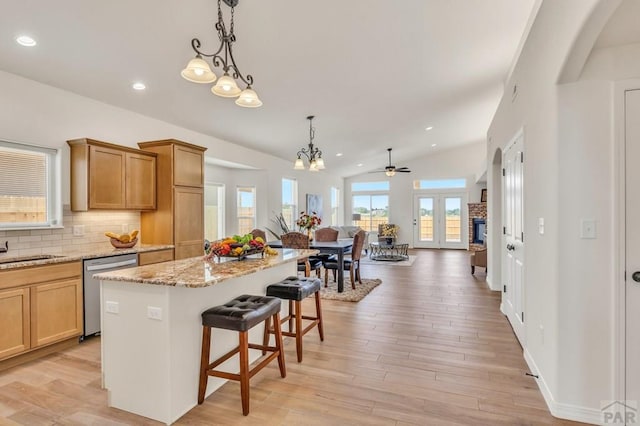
x=479 y=229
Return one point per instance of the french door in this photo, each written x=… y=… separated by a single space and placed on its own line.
x=440 y=220
x=513 y=295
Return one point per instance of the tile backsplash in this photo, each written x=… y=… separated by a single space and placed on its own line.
x=60 y=241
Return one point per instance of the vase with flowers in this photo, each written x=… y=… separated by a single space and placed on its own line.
x=308 y=222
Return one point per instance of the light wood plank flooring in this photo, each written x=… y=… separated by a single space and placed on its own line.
x=428 y=347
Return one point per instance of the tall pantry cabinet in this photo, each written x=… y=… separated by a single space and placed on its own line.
x=179 y=217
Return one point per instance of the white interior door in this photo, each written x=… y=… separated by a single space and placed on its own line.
x=440 y=221
x=513 y=295
x=425 y=229
x=632 y=241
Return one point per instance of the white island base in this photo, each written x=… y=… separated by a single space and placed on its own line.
x=152 y=336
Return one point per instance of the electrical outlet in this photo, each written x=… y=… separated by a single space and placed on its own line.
x=541 y=225
x=154 y=313
x=588 y=228
x=112 y=307
x=78 y=230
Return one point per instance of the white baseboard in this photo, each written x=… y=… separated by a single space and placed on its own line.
x=557 y=409
x=502 y=310
x=490 y=284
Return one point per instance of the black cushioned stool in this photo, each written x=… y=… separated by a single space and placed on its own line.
x=295 y=290
x=240 y=314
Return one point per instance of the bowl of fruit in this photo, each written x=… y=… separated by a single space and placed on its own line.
x=123 y=240
x=238 y=246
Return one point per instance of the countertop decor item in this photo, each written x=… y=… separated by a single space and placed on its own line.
x=198 y=70
x=119 y=244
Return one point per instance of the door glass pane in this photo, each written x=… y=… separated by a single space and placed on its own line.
x=426 y=219
x=453 y=208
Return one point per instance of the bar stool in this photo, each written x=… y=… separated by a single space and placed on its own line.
x=295 y=290
x=240 y=314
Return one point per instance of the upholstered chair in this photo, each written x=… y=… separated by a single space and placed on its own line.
x=298 y=240
x=324 y=235
x=478 y=258
x=352 y=265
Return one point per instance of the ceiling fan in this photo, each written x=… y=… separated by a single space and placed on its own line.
x=391 y=170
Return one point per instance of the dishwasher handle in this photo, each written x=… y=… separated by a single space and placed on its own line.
x=112 y=265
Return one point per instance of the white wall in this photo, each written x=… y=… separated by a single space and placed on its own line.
x=461 y=162
x=38 y=114
x=569 y=175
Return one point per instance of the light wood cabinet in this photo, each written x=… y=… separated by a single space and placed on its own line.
x=151 y=257
x=179 y=218
x=14 y=321
x=108 y=176
x=39 y=306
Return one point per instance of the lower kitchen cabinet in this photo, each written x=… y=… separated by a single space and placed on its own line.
x=39 y=306
x=14 y=317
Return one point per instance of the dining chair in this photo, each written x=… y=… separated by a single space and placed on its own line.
x=352 y=265
x=298 y=240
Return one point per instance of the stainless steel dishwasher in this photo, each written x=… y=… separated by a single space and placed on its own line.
x=91 y=286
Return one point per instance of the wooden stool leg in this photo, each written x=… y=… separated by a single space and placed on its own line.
x=265 y=336
x=299 y=330
x=204 y=363
x=244 y=371
x=290 y=316
x=326 y=276
x=319 y=316
x=279 y=344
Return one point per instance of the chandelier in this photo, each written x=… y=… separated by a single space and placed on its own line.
x=313 y=154
x=198 y=70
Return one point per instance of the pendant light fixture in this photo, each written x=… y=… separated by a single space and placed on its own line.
x=313 y=154
x=198 y=70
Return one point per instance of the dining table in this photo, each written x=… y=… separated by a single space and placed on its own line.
x=340 y=247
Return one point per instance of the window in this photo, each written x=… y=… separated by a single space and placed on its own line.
x=335 y=205
x=29 y=186
x=370 y=210
x=290 y=201
x=246 y=209
x=370 y=186
x=439 y=184
x=213 y=211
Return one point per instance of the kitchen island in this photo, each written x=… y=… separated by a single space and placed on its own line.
x=152 y=329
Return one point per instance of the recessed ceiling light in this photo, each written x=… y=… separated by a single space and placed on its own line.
x=139 y=86
x=429 y=128
x=359 y=164
x=339 y=154
x=26 y=41
x=433 y=145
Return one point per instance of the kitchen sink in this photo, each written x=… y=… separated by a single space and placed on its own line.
x=19 y=259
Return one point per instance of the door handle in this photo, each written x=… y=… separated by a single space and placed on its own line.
x=511 y=247
x=636 y=276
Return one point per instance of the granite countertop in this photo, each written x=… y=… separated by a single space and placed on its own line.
x=100 y=250
x=196 y=272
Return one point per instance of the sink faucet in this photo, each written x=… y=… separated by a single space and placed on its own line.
x=5 y=248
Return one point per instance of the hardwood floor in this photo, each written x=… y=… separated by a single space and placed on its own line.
x=428 y=346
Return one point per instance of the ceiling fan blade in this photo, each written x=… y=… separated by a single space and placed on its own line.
x=403 y=171
x=377 y=171
x=399 y=169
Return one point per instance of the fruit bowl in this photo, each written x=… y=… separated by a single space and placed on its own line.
x=119 y=244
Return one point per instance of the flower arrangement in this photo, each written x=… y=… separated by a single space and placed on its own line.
x=308 y=221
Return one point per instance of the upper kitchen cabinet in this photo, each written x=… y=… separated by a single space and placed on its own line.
x=108 y=176
x=179 y=218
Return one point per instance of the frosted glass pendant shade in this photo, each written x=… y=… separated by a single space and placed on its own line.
x=249 y=99
x=226 y=87
x=298 y=165
x=198 y=71
x=320 y=163
x=390 y=173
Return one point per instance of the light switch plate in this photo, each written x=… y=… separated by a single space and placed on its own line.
x=588 y=228
x=78 y=230
x=541 y=225
x=154 y=313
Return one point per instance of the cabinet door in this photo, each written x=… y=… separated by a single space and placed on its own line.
x=14 y=322
x=106 y=178
x=188 y=166
x=140 y=181
x=56 y=311
x=151 y=257
x=189 y=220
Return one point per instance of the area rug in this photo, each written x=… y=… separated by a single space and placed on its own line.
x=367 y=261
x=349 y=294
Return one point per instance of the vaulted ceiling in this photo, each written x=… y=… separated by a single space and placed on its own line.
x=375 y=73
